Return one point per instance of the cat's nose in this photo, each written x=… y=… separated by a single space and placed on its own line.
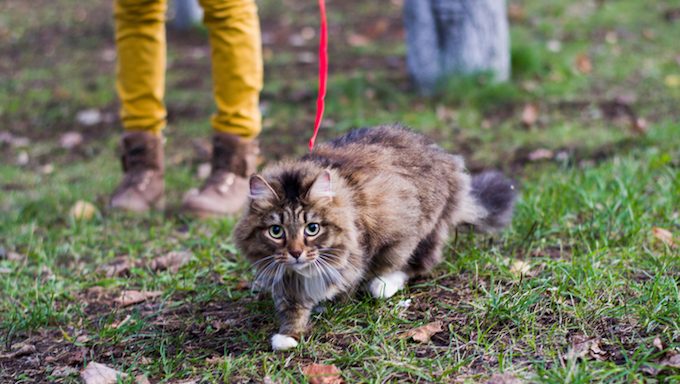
x=295 y=253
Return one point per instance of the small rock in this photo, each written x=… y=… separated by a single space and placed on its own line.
x=89 y=117
x=70 y=140
x=22 y=158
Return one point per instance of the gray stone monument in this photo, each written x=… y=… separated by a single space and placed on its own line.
x=456 y=37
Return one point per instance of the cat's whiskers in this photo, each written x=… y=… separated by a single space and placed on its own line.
x=322 y=272
x=262 y=260
x=267 y=275
x=333 y=275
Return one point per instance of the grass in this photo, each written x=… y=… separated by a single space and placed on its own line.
x=580 y=261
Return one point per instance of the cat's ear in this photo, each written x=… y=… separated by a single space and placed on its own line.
x=322 y=186
x=260 y=189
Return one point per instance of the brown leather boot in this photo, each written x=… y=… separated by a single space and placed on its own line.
x=142 y=186
x=226 y=190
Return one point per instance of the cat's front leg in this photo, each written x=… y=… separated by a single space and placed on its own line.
x=293 y=317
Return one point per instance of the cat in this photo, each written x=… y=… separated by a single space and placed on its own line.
x=374 y=206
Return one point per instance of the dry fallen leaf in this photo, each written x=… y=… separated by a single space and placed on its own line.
x=118 y=324
x=214 y=360
x=424 y=333
x=96 y=373
x=132 y=297
x=583 y=346
x=505 y=378
x=83 y=210
x=664 y=235
x=357 y=40
x=15 y=256
x=639 y=125
x=673 y=361
x=520 y=268
x=120 y=266
x=658 y=344
x=583 y=64
x=70 y=140
x=243 y=285
x=540 y=154
x=516 y=13
x=64 y=371
x=18 y=350
x=172 y=261
x=530 y=115
x=322 y=374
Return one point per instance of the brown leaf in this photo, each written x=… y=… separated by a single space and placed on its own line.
x=96 y=373
x=118 y=324
x=520 y=268
x=357 y=40
x=583 y=346
x=141 y=379
x=639 y=125
x=132 y=297
x=530 y=115
x=505 y=378
x=120 y=266
x=322 y=374
x=14 y=256
x=243 y=285
x=214 y=360
x=596 y=352
x=172 y=261
x=71 y=140
x=18 y=350
x=673 y=361
x=63 y=371
x=664 y=235
x=658 y=344
x=516 y=13
x=424 y=333
x=583 y=64
x=540 y=154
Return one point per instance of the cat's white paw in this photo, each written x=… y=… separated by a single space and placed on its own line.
x=282 y=342
x=386 y=286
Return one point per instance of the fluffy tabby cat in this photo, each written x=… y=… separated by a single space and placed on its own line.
x=373 y=206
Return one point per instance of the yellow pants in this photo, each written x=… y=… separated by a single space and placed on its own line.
x=236 y=53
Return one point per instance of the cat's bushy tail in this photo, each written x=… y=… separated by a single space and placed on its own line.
x=496 y=194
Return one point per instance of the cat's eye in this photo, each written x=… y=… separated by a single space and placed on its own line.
x=276 y=232
x=312 y=229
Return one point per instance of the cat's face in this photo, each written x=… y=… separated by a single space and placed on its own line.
x=296 y=224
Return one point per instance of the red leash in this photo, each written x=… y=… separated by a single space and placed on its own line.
x=323 y=73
